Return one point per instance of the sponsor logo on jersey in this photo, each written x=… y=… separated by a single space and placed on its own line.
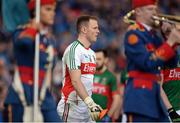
x=100 y=89
x=173 y=73
x=88 y=68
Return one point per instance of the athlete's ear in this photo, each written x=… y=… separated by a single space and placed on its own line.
x=84 y=29
x=106 y=61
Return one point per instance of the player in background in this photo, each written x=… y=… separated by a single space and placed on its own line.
x=105 y=86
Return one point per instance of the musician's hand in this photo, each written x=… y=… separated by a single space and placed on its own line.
x=178 y=27
x=166 y=29
x=174 y=37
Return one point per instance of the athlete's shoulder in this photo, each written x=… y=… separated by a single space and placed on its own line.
x=72 y=48
x=75 y=45
x=92 y=51
x=109 y=73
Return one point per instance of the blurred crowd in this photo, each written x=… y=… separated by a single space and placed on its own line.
x=112 y=27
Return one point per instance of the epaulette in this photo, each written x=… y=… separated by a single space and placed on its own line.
x=136 y=26
x=28 y=32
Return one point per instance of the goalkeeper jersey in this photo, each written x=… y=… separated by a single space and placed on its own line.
x=76 y=56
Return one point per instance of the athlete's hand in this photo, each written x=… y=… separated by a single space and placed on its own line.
x=94 y=109
x=175 y=117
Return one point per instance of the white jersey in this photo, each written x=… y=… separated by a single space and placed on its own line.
x=76 y=56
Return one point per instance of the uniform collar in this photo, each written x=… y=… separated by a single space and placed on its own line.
x=146 y=26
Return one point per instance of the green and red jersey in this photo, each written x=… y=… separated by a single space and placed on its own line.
x=104 y=87
x=171 y=86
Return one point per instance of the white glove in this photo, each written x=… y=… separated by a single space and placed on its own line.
x=94 y=109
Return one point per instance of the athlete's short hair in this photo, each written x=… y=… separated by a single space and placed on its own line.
x=83 y=20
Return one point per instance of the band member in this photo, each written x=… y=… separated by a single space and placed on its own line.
x=146 y=53
x=19 y=101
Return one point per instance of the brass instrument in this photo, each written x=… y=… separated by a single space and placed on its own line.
x=127 y=19
x=172 y=19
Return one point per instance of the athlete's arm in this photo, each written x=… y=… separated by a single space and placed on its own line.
x=77 y=84
x=119 y=110
x=81 y=91
x=175 y=117
x=165 y=99
x=114 y=105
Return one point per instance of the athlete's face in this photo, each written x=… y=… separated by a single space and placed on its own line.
x=47 y=14
x=92 y=30
x=100 y=60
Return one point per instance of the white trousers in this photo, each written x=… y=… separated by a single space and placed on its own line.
x=73 y=111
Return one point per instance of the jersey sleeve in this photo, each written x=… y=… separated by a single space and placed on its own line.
x=74 y=57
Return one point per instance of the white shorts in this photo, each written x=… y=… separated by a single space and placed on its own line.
x=73 y=112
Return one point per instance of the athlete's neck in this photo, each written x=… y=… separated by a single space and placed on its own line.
x=101 y=70
x=84 y=41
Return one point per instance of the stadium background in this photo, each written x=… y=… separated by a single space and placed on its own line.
x=112 y=27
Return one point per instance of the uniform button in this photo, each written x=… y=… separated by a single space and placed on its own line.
x=159 y=68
